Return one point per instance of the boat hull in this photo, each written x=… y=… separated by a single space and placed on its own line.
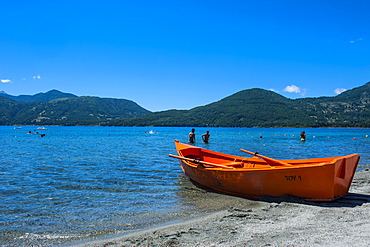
x=323 y=181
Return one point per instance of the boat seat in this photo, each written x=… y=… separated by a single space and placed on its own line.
x=237 y=164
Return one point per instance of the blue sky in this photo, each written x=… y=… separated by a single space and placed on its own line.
x=182 y=54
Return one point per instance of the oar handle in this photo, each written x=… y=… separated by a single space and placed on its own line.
x=266 y=158
x=199 y=161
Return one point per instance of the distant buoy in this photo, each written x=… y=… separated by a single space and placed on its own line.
x=328 y=137
x=354 y=138
x=366 y=136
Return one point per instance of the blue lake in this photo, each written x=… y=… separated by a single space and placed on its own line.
x=79 y=182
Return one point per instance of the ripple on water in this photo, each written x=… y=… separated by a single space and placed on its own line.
x=78 y=182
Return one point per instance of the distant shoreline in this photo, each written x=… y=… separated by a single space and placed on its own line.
x=19 y=125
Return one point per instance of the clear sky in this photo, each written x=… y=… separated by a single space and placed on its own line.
x=179 y=54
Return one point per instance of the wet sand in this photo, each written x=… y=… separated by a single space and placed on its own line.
x=285 y=221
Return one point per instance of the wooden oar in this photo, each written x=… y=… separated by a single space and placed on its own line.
x=199 y=161
x=267 y=158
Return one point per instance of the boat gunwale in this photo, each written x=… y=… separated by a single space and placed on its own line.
x=254 y=169
x=295 y=163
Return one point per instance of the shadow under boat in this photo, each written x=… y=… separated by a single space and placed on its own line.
x=349 y=200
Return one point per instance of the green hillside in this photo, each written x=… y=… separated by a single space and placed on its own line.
x=349 y=109
x=247 y=108
x=68 y=111
x=50 y=95
x=262 y=108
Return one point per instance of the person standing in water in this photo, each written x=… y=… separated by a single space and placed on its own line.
x=205 y=137
x=192 y=136
x=303 y=136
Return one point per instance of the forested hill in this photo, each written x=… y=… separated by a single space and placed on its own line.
x=42 y=97
x=247 y=108
x=67 y=110
x=262 y=108
x=253 y=107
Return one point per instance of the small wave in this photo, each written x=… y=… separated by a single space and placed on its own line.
x=34 y=236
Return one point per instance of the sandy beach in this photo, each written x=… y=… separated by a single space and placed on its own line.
x=286 y=221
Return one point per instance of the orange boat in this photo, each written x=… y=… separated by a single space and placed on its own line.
x=319 y=179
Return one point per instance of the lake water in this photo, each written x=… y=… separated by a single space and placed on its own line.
x=79 y=182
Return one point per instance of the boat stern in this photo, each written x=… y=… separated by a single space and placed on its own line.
x=345 y=169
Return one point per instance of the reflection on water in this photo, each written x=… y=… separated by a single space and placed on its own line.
x=86 y=181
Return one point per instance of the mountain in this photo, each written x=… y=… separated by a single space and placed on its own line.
x=248 y=108
x=41 y=97
x=262 y=108
x=67 y=110
x=348 y=109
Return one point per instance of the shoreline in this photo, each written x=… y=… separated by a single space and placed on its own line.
x=150 y=126
x=270 y=221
